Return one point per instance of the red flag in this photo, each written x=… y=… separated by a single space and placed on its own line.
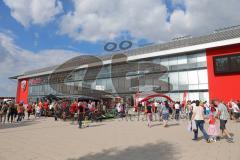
x=184 y=98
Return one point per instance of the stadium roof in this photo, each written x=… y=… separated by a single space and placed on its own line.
x=218 y=38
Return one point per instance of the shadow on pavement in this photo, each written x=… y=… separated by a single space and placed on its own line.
x=174 y=124
x=96 y=125
x=19 y=124
x=159 y=151
x=155 y=125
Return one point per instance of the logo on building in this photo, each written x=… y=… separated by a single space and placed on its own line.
x=112 y=46
x=23 y=85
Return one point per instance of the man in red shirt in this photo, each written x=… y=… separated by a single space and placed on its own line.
x=40 y=105
x=46 y=108
x=73 y=109
x=29 y=110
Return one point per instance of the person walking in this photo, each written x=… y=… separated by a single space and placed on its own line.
x=34 y=109
x=139 y=109
x=15 y=112
x=1 y=105
x=212 y=129
x=149 y=111
x=20 y=112
x=223 y=116
x=4 y=112
x=29 y=110
x=165 y=113
x=73 y=110
x=81 y=112
x=46 y=108
x=40 y=105
x=235 y=109
x=159 y=109
x=177 y=110
x=11 y=112
x=198 y=116
x=56 y=110
x=155 y=110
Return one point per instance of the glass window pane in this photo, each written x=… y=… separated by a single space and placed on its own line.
x=201 y=57
x=203 y=86
x=203 y=76
x=183 y=81
x=204 y=96
x=156 y=60
x=193 y=96
x=183 y=78
x=193 y=87
x=164 y=61
x=173 y=79
x=192 y=77
x=173 y=61
x=182 y=59
x=181 y=96
x=109 y=84
x=174 y=96
x=192 y=58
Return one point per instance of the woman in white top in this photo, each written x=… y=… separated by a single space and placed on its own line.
x=198 y=116
x=235 y=109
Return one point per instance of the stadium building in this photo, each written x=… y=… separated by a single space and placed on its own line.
x=204 y=67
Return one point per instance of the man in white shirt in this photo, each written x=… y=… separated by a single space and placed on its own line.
x=235 y=110
x=177 y=109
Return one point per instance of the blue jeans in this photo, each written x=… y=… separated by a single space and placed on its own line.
x=200 y=125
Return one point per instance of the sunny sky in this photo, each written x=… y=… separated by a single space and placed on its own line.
x=40 y=33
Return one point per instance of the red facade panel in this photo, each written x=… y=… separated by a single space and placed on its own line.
x=222 y=87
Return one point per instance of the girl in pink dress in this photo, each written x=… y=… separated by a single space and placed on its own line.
x=212 y=129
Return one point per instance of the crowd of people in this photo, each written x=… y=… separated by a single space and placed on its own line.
x=196 y=112
x=64 y=109
x=216 y=114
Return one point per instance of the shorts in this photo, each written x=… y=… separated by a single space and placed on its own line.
x=165 y=116
x=236 y=115
x=223 y=124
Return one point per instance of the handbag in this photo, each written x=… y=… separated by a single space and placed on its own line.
x=194 y=126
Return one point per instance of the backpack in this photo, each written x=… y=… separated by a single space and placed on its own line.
x=5 y=108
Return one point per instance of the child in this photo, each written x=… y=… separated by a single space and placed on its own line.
x=212 y=129
x=149 y=111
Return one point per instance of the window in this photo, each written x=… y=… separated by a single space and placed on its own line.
x=156 y=60
x=174 y=96
x=227 y=64
x=191 y=58
x=164 y=62
x=193 y=96
x=173 y=79
x=183 y=78
x=201 y=57
x=193 y=87
x=183 y=81
x=203 y=76
x=173 y=61
x=193 y=77
x=203 y=86
x=109 y=84
x=182 y=59
x=204 y=96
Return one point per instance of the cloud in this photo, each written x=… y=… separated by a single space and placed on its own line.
x=93 y=20
x=204 y=16
x=15 y=60
x=29 y=12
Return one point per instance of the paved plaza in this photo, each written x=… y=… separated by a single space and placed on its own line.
x=45 y=139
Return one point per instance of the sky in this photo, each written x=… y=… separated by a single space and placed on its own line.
x=41 y=33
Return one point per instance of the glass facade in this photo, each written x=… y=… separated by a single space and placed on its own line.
x=186 y=72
